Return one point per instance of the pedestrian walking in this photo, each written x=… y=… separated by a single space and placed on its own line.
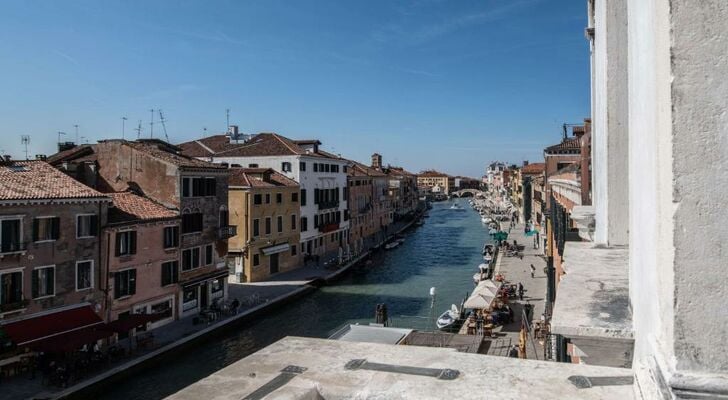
x=533 y=271
x=513 y=352
x=520 y=291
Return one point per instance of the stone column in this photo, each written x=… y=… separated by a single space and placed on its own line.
x=610 y=122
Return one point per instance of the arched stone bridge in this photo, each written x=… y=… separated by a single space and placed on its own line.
x=471 y=192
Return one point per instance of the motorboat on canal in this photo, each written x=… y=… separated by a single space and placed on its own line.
x=394 y=243
x=448 y=318
x=456 y=206
x=485 y=219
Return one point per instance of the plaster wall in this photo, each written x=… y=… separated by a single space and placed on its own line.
x=699 y=163
x=308 y=180
x=610 y=119
x=678 y=64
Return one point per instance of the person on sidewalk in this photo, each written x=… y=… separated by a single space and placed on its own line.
x=533 y=271
x=513 y=352
x=520 y=291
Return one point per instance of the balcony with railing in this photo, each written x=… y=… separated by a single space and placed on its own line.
x=325 y=228
x=323 y=205
x=226 y=232
x=12 y=247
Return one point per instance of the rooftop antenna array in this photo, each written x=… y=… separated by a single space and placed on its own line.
x=151 y=125
x=227 y=119
x=25 y=140
x=139 y=129
x=76 y=127
x=164 y=127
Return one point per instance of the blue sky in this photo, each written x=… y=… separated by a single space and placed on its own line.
x=428 y=83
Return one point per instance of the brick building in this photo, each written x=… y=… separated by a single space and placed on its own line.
x=50 y=265
x=370 y=208
x=141 y=241
x=196 y=190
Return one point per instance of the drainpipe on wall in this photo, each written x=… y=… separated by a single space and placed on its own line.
x=107 y=292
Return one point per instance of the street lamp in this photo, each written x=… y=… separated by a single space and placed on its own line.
x=432 y=308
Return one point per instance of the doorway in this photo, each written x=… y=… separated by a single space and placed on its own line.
x=274 y=263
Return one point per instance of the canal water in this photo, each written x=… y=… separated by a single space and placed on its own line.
x=443 y=253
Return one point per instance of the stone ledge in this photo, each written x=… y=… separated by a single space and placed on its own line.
x=583 y=216
x=331 y=369
x=592 y=299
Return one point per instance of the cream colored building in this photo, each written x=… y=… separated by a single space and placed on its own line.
x=264 y=205
x=432 y=179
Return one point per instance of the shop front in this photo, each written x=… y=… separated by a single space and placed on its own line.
x=199 y=294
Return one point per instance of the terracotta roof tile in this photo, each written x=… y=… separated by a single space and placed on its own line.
x=130 y=207
x=27 y=180
x=567 y=145
x=71 y=154
x=259 y=177
x=206 y=146
x=156 y=150
x=262 y=144
x=533 y=168
x=433 y=174
x=359 y=169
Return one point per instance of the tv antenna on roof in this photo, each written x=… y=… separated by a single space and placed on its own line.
x=139 y=129
x=76 y=127
x=161 y=119
x=151 y=125
x=25 y=140
x=227 y=119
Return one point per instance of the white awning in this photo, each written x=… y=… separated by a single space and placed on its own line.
x=279 y=248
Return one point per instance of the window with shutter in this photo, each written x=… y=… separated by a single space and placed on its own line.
x=303 y=197
x=43 y=284
x=208 y=254
x=86 y=226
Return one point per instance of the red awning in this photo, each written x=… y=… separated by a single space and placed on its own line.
x=46 y=326
x=131 y=321
x=72 y=340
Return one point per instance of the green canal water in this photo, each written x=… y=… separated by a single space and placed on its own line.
x=443 y=253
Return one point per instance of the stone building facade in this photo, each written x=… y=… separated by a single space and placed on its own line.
x=265 y=207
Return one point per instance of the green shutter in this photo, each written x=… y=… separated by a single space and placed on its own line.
x=34 y=283
x=50 y=280
x=35 y=229
x=132 y=242
x=118 y=244
x=56 y=228
x=94 y=225
x=132 y=281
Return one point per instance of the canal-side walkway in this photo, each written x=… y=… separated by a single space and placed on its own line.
x=256 y=299
x=518 y=270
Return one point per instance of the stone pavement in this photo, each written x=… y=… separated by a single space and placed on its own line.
x=517 y=270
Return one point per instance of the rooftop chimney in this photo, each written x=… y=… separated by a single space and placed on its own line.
x=525 y=163
x=377 y=161
x=41 y=157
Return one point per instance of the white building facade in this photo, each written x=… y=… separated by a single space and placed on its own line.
x=324 y=216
